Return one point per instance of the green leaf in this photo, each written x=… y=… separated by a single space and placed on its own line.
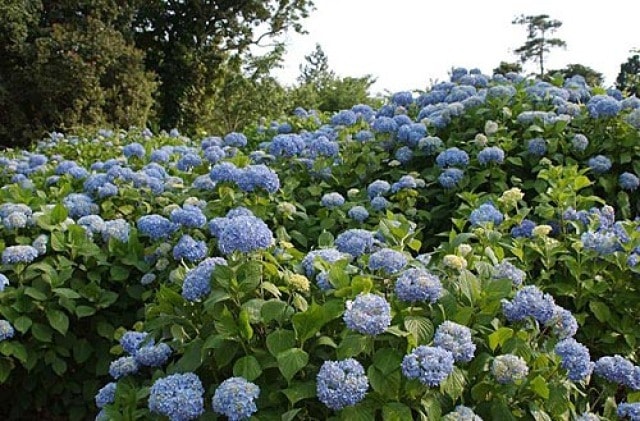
x=499 y=337
x=58 y=214
x=66 y=292
x=22 y=324
x=42 y=333
x=420 y=327
x=275 y=310
x=454 y=384
x=191 y=359
x=5 y=369
x=387 y=385
x=249 y=276
x=500 y=411
x=358 y=413
x=57 y=241
x=35 y=293
x=396 y=411
x=353 y=344
x=58 y=320
x=82 y=350
x=85 y=311
x=539 y=387
x=290 y=415
x=247 y=367
x=59 y=366
x=299 y=391
x=387 y=360
x=280 y=340
x=600 y=310
x=118 y=273
x=325 y=239
x=291 y=361
x=498 y=288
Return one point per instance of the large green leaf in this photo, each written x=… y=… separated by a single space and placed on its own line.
x=291 y=361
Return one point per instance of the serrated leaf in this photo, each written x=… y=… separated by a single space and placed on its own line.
x=396 y=411
x=247 y=367
x=58 y=320
x=299 y=391
x=600 y=310
x=291 y=361
x=280 y=340
x=499 y=337
x=539 y=386
x=420 y=327
x=22 y=324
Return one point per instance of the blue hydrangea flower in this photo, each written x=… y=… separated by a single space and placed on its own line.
x=341 y=383
x=618 y=370
x=384 y=125
x=19 y=254
x=505 y=270
x=404 y=154
x=106 y=395
x=579 y=142
x=402 y=99
x=629 y=410
x=368 y=314
x=524 y=230
x=147 y=278
x=358 y=213
x=600 y=164
x=405 y=182
x=4 y=282
x=602 y=242
x=132 y=340
x=484 y=214
x=537 y=146
x=134 y=149
x=378 y=188
x=188 y=216
x=224 y=172
x=213 y=154
x=491 y=155
x=178 y=397
x=430 y=365
x=190 y=249
x=633 y=118
x=411 y=133
x=355 y=242
x=6 y=330
x=529 y=301
x=323 y=282
x=379 y=203
x=462 y=413
x=153 y=355
x=418 y=285
x=509 y=368
x=15 y=220
x=197 y=282
x=629 y=181
x=235 y=398
x=363 y=136
x=235 y=139
x=450 y=178
x=430 y=145
x=159 y=155
x=155 y=227
x=332 y=200
x=322 y=146
x=118 y=229
x=122 y=367
x=563 y=324
x=456 y=339
x=245 y=234
x=452 y=157
x=93 y=224
x=188 y=161
x=387 y=260
x=79 y=204
x=575 y=359
x=344 y=118
x=601 y=106
x=258 y=176
x=287 y=145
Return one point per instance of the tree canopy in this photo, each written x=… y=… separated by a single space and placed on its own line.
x=538 y=42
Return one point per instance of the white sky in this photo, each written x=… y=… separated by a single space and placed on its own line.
x=406 y=44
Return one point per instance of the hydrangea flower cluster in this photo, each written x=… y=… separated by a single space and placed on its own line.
x=509 y=368
x=387 y=260
x=244 y=233
x=450 y=178
x=329 y=255
x=341 y=383
x=368 y=314
x=19 y=254
x=156 y=227
x=575 y=359
x=197 y=282
x=235 y=398
x=6 y=330
x=355 y=242
x=417 y=285
x=452 y=157
x=430 y=365
x=189 y=249
x=491 y=155
x=106 y=395
x=462 y=413
x=332 y=200
x=484 y=214
x=189 y=216
x=617 y=369
x=537 y=146
x=358 y=213
x=456 y=339
x=524 y=229
x=529 y=302
x=178 y=397
x=505 y=270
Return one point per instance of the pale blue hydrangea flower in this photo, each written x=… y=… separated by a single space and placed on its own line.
x=235 y=398
x=429 y=365
x=509 y=368
x=178 y=397
x=368 y=314
x=341 y=383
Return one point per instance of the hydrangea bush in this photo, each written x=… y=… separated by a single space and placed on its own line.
x=467 y=252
